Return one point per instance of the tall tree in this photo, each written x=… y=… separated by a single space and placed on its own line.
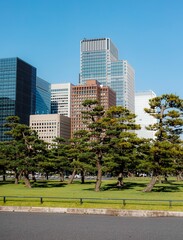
x=123 y=142
x=58 y=157
x=167 y=110
x=11 y=158
x=27 y=146
x=80 y=154
x=178 y=162
x=92 y=119
x=110 y=132
x=4 y=163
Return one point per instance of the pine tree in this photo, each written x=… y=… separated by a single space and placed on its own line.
x=59 y=158
x=110 y=136
x=26 y=148
x=167 y=110
x=123 y=142
x=80 y=154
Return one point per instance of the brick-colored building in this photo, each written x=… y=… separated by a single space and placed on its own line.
x=91 y=90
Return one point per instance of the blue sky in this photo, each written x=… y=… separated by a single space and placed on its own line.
x=47 y=34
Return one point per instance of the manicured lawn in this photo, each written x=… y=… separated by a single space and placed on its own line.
x=132 y=190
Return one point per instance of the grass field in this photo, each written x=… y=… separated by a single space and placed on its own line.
x=132 y=190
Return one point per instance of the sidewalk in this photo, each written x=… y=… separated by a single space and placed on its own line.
x=112 y=212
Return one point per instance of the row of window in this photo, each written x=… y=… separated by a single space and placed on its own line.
x=59 y=90
x=43 y=123
x=44 y=130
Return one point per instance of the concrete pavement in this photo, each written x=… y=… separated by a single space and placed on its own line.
x=112 y=212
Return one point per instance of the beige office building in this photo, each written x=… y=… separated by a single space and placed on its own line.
x=91 y=90
x=50 y=126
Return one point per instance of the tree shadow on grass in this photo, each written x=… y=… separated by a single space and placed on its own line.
x=6 y=182
x=45 y=184
x=175 y=183
x=85 y=183
x=171 y=188
x=126 y=186
x=114 y=187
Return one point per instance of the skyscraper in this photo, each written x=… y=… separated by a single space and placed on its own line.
x=99 y=60
x=143 y=118
x=17 y=91
x=61 y=98
x=43 y=96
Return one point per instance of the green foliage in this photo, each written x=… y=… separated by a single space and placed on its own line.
x=4 y=150
x=25 y=148
x=167 y=110
x=108 y=144
x=123 y=142
x=80 y=154
x=58 y=158
x=115 y=147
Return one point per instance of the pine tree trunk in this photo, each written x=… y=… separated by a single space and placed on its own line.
x=179 y=176
x=159 y=179
x=82 y=177
x=33 y=177
x=99 y=177
x=4 y=178
x=72 y=177
x=47 y=176
x=4 y=175
x=166 y=178
x=61 y=176
x=20 y=175
x=151 y=184
x=16 y=177
x=120 y=180
x=26 y=180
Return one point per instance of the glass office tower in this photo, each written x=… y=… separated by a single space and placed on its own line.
x=43 y=96
x=17 y=91
x=99 y=61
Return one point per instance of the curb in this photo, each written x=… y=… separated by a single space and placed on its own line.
x=111 y=212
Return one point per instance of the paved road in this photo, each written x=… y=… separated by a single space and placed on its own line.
x=51 y=226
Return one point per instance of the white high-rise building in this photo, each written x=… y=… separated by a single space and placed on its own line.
x=143 y=118
x=61 y=98
x=99 y=61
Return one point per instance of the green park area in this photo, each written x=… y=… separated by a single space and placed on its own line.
x=110 y=195
x=144 y=173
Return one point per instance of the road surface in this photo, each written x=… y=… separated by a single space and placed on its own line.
x=55 y=226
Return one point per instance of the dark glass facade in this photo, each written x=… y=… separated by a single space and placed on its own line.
x=43 y=96
x=17 y=91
